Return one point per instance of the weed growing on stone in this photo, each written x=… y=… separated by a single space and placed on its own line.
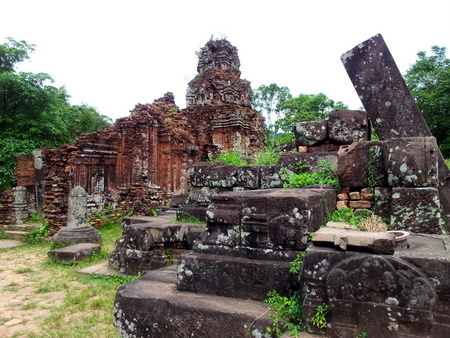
x=287 y=313
x=373 y=224
x=38 y=235
x=319 y=319
x=169 y=255
x=325 y=175
x=187 y=219
x=236 y=156
x=296 y=265
x=35 y=218
x=366 y=221
x=370 y=180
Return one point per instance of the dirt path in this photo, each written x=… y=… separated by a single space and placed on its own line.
x=22 y=305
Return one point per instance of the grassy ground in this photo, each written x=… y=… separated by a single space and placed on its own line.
x=51 y=299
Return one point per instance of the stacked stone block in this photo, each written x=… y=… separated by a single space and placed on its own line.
x=254 y=234
x=342 y=127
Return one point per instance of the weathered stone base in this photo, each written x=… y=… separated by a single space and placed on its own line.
x=77 y=235
x=234 y=276
x=403 y=295
x=74 y=253
x=152 y=307
x=132 y=262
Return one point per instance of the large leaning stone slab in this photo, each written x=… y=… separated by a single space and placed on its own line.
x=389 y=104
x=74 y=253
x=383 y=91
x=376 y=242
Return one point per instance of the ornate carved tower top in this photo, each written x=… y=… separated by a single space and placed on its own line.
x=218 y=80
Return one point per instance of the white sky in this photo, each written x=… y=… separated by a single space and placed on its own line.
x=115 y=54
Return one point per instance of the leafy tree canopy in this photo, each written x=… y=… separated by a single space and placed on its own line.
x=429 y=82
x=13 y=52
x=267 y=97
x=34 y=114
x=305 y=107
x=266 y=100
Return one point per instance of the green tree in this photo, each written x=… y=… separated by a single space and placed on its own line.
x=34 y=114
x=266 y=99
x=429 y=82
x=13 y=52
x=305 y=107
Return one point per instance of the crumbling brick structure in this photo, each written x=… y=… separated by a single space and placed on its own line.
x=141 y=160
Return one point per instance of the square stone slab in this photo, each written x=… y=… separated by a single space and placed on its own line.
x=74 y=253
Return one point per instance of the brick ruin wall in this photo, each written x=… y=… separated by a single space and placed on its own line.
x=140 y=162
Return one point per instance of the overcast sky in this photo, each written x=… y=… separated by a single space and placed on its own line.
x=115 y=54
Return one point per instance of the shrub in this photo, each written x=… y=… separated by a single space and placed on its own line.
x=325 y=175
x=236 y=156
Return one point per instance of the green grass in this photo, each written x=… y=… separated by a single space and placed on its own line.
x=23 y=270
x=86 y=309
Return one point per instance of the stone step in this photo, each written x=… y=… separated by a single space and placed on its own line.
x=22 y=227
x=16 y=234
x=153 y=307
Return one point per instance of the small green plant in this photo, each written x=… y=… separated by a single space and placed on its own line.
x=365 y=221
x=447 y=161
x=174 y=110
x=187 y=219
x=167 y=121
x=197 y=77
x=287 y=313
x=169 y=255
x=370 y=180
x=235 y=67
x=232 y=157
x=296 y=265
x=35 y=218
x=324 y=175
x=362 y=335
x=319 y=319
x=155 y=212
x=38 y=235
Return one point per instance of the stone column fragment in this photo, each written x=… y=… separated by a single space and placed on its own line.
x=77 y=229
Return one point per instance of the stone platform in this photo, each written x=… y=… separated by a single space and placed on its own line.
x=402 y=295
x=155 y=308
